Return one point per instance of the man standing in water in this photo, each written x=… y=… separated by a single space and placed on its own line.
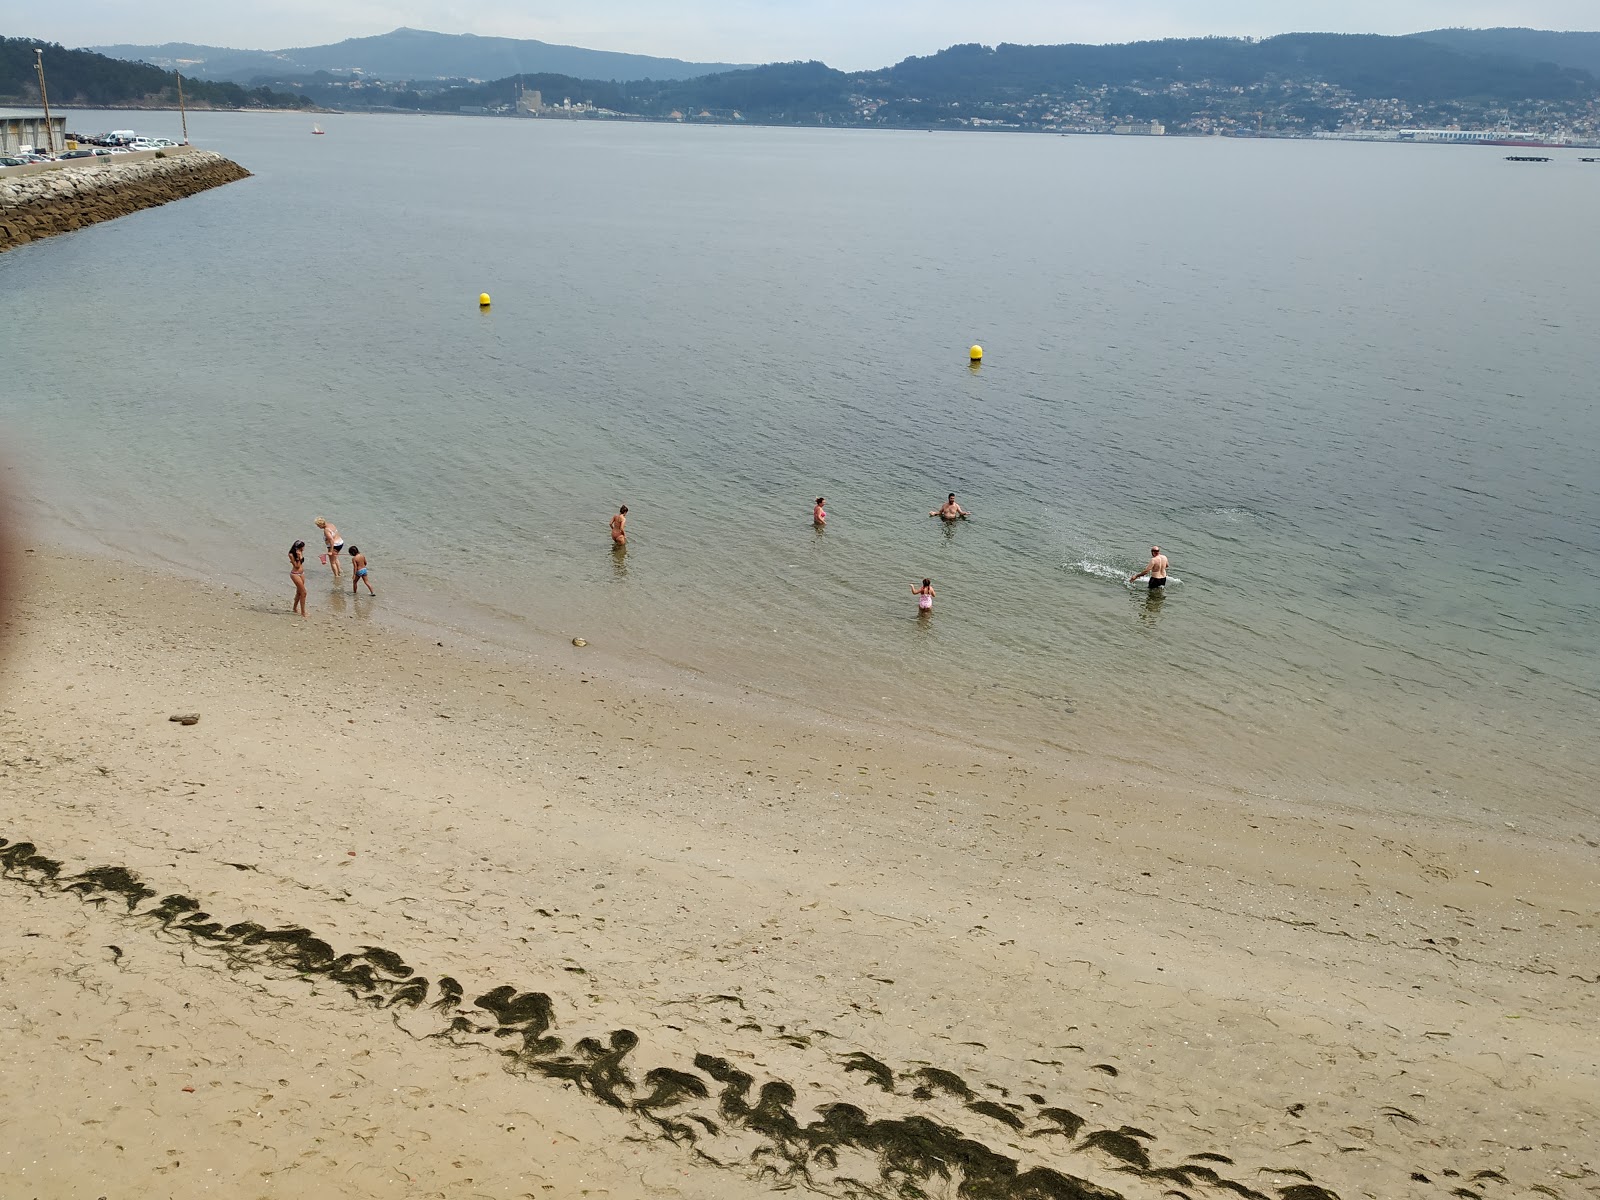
x=950 y=510
x=1157 y=570
x=619 y=532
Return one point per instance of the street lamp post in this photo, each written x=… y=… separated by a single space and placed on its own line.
x=44 y=96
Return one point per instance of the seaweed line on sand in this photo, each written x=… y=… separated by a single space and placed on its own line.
x=710 y=1106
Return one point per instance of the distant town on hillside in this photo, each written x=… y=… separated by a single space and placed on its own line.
x=1532 y=83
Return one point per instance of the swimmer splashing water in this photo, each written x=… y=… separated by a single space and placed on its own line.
x=1157 y=570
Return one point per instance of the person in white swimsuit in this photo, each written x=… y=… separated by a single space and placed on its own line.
x=330 y=534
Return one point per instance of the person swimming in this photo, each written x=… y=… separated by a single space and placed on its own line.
x=950 y=510
x=619 y=527
x=819 y=515
x=924 y=594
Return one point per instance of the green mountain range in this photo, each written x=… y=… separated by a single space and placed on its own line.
x=1573 y=49
x=1302 y=82
x=1293 y=83
x=86 y=79
x=414 y=54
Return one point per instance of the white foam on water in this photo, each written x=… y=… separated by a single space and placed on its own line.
x=1099 y=570
x=1085 y=566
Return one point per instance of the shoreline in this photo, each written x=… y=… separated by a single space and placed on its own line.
x=1310 y=763
x=720 y=123
x=802 y=904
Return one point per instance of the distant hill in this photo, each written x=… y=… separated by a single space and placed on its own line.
x=416 y=54
x=1294 y=81
x=1363 y=64
x=1578 y=50
x=84 y=78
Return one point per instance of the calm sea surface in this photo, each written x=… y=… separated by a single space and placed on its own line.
x=1349 y=388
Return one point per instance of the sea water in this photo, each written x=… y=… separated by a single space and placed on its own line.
x=1348 y=388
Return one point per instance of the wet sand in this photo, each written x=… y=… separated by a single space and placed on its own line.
x=402 y=919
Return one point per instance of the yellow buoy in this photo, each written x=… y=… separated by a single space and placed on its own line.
x=975 y=354
x=483 y=299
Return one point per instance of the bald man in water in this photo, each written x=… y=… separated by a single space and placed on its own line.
x=1157 y=570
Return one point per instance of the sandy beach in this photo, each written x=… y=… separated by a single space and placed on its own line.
x=400 y=919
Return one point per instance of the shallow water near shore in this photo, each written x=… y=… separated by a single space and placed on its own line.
x=1361 y=426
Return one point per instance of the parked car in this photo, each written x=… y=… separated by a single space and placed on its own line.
x=76 y=154
x=12 y=162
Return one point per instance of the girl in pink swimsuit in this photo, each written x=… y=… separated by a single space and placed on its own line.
x=924 y=595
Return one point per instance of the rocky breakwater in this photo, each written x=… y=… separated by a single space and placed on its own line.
x=48 y=202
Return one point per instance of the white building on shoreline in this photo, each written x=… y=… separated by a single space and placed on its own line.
x=21 y=127
x=1463 y=137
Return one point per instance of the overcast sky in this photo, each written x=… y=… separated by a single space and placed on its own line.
x=850 y=34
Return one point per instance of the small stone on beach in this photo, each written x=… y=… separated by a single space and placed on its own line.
x=185 y=718
x=579 y=642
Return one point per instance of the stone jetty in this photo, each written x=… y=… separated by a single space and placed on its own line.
x=46 y=200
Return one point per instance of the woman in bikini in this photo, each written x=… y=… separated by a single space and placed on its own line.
x=924 y=595
x=330 y=534
x=297 y=572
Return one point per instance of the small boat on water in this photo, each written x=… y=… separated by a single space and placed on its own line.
x=316 y=129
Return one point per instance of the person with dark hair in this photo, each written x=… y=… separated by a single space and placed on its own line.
x=924 y=595
x=358 y=564
x=619 y=527
x=950 y=510
x=297 y=572
x=819 y=515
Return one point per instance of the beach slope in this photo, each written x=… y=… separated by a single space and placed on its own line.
x=403 y=918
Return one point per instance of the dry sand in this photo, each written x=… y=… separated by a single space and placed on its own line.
x=734 y=952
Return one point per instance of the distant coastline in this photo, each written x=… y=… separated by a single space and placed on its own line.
x=1387 y=137
x=1292 y=85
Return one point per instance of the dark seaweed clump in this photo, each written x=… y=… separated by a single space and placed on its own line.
x=685 y=1103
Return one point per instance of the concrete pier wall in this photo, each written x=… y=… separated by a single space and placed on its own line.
x=50 y=198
